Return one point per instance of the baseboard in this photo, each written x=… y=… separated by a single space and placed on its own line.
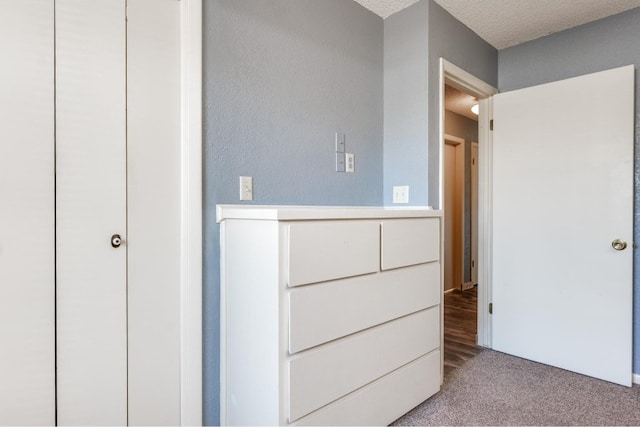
x=466 y=285
x=462 y=287
x=636 y=378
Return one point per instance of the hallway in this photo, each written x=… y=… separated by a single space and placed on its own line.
x=460 y=328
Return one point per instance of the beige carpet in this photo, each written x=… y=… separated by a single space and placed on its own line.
x=496 y=389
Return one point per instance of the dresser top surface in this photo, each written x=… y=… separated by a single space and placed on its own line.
x=301 y=213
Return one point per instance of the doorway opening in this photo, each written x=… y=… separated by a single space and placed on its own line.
x=463 y=131
x=460 y=299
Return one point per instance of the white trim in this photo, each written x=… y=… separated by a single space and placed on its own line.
x=466 y=82
x=457 y=77
x=474 y=214
x=455 y=139
x=485 y=225
x=441 y=137
x=636 y=378
x=191 y=214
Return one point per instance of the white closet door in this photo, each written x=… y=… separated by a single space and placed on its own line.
x=91 y=207
x=153 y=109
x=27 y=334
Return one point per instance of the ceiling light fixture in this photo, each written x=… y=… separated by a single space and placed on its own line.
x=475 y=109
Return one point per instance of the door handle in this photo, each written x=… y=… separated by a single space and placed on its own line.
x=116 y=240
x=619 y=245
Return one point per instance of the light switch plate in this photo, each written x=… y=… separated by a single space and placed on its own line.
x=339 y=162
x=246 y=188
x=401 y=194
x=340 y=142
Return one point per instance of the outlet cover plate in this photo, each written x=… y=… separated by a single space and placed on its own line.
x=350 y=162
x=401 y=194
x=246 y=188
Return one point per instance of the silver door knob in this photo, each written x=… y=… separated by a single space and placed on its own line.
x=116 y=240
x=619 y=245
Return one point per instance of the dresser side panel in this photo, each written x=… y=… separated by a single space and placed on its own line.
x=250 y=336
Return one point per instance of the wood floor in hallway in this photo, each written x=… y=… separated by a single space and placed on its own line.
x=460 y=328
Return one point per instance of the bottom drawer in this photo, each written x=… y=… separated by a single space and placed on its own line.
x=385 y=400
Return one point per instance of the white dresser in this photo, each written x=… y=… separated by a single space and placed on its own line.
x=329 y=315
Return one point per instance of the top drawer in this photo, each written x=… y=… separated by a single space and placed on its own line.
x=327 y=250
x=409 y=242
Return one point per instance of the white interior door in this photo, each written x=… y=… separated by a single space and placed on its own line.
x=562 y=192
x=91 y=207
x=27 y=268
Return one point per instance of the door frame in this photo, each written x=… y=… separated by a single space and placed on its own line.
x=460 y=79
x=458 y=262
x=474 y=214
x=191 y=213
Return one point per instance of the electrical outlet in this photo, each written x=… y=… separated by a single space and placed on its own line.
x=246 y=188
x=401 y=194
x=349 y=163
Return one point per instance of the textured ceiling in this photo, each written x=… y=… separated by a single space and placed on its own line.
x=385 y=8
x=505 y=23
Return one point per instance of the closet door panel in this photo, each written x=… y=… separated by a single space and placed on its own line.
x=153 y=109
x=27 y=287
x=91 y=207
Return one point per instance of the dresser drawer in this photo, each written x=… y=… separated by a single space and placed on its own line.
x=324 y=374
x=326 y=311
x=385 y=400
x=327 y=250
x=409 y=241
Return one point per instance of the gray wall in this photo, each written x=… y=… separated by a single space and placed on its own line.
x=406 y=96
x=601 y=45
x=453 y=41
x=415 y=39
x=467 y=129
x=280 y=78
